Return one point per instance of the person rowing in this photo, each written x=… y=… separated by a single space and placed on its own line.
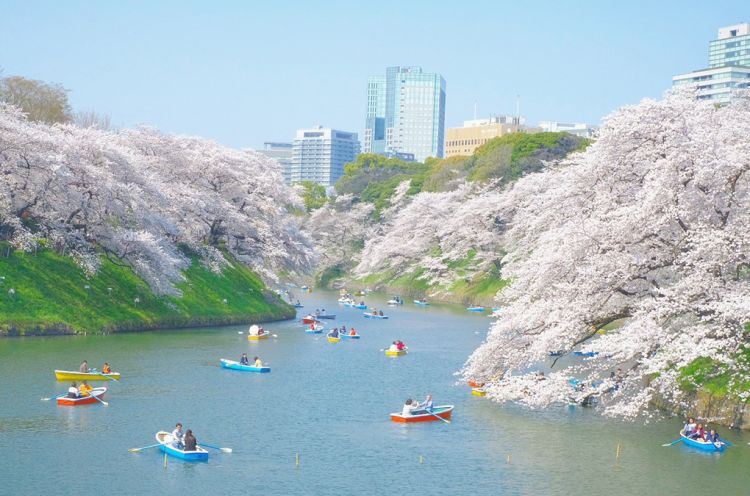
x=244 y=360
x=190 y=442
x=400 y=346
x=85 y=389
x=84 y=368
x=255 y=330
x=178 y=436
x=258 y=363
x=73 y=391
x=426 y=405
x=334 y=332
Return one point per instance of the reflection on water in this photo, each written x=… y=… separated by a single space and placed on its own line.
x=329 y=403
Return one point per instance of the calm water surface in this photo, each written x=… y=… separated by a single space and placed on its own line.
x=329 y=403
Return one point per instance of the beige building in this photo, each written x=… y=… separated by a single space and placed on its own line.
x=462 y=141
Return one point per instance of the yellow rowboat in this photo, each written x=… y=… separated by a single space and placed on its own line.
x=250 y=337
x=478 y=392
x=70 y=375
x=395 y=353
x=333 y=340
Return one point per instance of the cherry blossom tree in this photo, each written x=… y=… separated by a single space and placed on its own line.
x=650 y=226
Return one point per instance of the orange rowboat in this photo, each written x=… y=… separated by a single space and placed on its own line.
x=83 y=400
x=474 y=384
x=443 y=411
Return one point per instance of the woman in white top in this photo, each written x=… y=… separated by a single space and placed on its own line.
x=73 y=391
x=409 y=407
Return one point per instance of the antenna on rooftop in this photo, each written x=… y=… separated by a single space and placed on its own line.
x=475 y=110
x=518 y=109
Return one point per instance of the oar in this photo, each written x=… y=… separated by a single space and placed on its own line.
x=54 y=397
x=100 y=401
x=223 y=450
x=438 y=416
x=672 y=443
x=136 y=450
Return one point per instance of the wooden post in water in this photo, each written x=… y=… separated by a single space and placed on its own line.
x=508 y=457
x=296 y=459
x=421 y=459
x=165 y=459
x=617 y=454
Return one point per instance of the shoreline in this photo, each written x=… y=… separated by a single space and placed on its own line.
x=60 y=330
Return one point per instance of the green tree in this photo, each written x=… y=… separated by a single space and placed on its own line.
x=42 y=102
x=313 y=194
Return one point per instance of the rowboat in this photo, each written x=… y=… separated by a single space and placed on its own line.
x=331 y=339
x=443 y=411
x=395 y=352
x=329 y=316
x=702 y=445
x=299 y=305
x=395 y=302
x=369 y=315
x=360 y=307
x=495 y=309
x=258 y=337
x=318 y=330
x=70 y=375
x=475 y=309
x=349 y=336
x=165 y=445
x=478 y=392
x=421 y=302
x=83 y=400
x=475 y=384
x=231 y=364
x=345 y=301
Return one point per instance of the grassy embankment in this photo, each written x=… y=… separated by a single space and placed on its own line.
x=49 y=294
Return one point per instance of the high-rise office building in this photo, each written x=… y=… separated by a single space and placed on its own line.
x=282 y=153
x=728 y=66
x=405 y=113
x=462 y=141
x=319 y=154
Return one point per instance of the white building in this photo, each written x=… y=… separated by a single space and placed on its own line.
x=282 y=153
x=319 y=154
x=578 y=128
x=728 y=66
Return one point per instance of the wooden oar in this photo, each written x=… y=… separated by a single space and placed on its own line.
x=672 y=443
x=438 y=416
x=99 y=400
x=223 y=450
x=136 y=450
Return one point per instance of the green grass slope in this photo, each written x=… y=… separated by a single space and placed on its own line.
x=48 y=294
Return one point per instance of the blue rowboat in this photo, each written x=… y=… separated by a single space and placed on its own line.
x=349 y=336
x=360 y=307
x=702 y=445
x=374 y=316
x=231 y=364
x=299 y=305
x=421 y=302
x=586 y=353
x=475 y=309
x=165 y=445
x=314 y=331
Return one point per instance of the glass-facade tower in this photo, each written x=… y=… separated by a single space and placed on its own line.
x=405 y=113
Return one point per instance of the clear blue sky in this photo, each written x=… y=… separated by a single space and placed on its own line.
x=247 y=72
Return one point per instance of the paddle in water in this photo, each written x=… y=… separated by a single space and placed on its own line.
x=54 y=397
x=672 y=443
x=438 y=416
x=136 y=450
x=223 y=450
x=99 y=400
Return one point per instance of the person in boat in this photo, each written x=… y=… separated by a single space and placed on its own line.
x=84 y=368
x=400 y=346
x=73 y=391
x=362 y=303
x=261 y=331
x=352 y=332
x=258 y=362
x=698 y=433
x=298 y=303
x=343 y=329
x=178 y=436
x=426 y=405
x=394 y=346
x=689 y=427
x=380 y=313
x=335 y=332
x=244 y=360
x=106 y=369
x=713 y=437
x=85 y=389
x=409 y=408
x=254 y=330
x=189 y=441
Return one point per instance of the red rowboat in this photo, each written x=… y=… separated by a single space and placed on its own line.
x=442 y=411
x=83 y=400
